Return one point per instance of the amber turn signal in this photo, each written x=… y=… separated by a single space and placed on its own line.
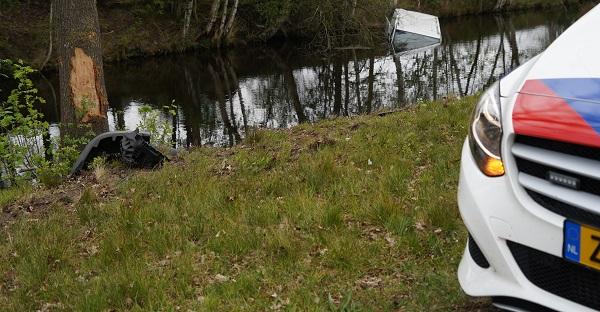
x=492 y=167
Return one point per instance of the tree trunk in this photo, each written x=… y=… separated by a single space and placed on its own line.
x=346 y=88
x=500 y=4
x=470 y=77
x=218 y=35
x=50 y=35
x=214 y=11
x=82 y=90
x=512 y=40
x=495 y=65
x=230 y=93
x=232 y=15
x=194 y=138
x=236 y=83
x=221 y=101
x=357 y=82
x=291 y=86
x=175 y=124
x=370 y=94
x=435 y=74
x=337 y=88
x=455 y=71
x=401 y=95
x=188 y=18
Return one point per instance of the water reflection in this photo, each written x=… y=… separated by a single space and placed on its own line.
x=221 y=96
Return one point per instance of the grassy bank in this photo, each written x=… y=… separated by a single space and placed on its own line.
x=344 y=215
x=135 y=28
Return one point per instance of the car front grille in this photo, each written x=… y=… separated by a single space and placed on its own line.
x=558 y=276
x=561 y=147
x=566 y=210
x=536 y=158
x=515 y=304
x=538 y=170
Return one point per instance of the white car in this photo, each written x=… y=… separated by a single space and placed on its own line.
x=529 y=191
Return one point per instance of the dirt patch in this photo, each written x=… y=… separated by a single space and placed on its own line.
x=356 y=126
x=477 y=305
x=321 y=142
x=41 y=201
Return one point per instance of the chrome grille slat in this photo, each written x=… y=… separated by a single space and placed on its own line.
x=537 y=157
x=578 y=199
x=582 y=166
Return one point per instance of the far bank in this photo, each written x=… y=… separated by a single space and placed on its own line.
x=132 y=28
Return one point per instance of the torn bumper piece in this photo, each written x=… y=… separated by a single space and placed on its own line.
x=132 y=147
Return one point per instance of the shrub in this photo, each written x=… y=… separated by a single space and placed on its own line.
x=21 y=125
x=153 y=122
x=27 y=152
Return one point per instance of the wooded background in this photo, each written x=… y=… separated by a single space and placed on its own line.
x=148 y=27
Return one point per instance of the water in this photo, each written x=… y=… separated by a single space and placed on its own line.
x=221 y=96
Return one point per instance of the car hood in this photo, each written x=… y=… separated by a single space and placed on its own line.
x=560 y=96
x=575 y=54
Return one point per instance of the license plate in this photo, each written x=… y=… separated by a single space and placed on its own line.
x=582 y=244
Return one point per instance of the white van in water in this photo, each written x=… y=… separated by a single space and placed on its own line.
x=411 y=32
x=529 y=191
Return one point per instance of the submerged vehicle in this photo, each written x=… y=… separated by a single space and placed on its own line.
x=410 y=31
x=529 y=191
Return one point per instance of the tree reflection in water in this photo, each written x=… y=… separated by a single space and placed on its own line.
x=222 y=96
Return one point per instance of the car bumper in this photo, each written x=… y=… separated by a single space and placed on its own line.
x=497 y=210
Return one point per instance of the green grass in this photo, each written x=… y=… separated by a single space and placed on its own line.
x=352 y=214
x=10 y=195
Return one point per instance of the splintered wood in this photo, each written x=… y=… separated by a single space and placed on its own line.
x=83 y=85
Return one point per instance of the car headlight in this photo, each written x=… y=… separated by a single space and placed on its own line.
x=485 y=133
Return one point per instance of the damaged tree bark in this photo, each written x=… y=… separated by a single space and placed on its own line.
x=82 y=90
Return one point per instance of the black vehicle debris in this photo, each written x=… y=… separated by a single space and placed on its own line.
x=131 y=147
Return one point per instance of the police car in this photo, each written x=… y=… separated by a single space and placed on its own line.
x=529 y=191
